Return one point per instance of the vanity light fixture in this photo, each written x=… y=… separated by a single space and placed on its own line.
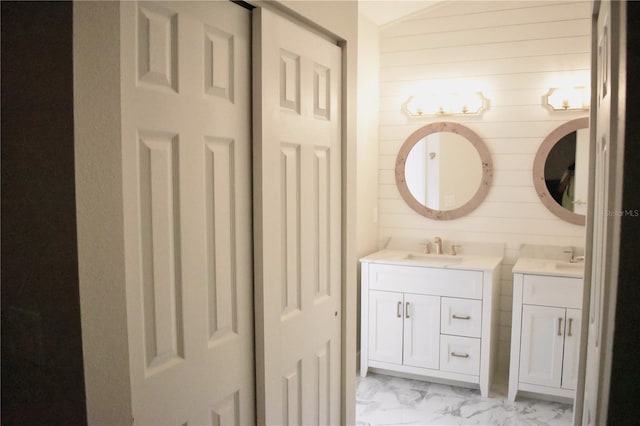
x=471 y=103
x=567 y=99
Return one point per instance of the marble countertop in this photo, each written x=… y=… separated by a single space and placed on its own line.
x=556 y=268
x=447 y=261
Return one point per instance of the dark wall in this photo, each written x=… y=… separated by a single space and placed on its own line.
x=42 y=375
x=624 y=397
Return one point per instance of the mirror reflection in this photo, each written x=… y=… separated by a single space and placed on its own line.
x=443 y=171
x=561 y=171
x=566 y=171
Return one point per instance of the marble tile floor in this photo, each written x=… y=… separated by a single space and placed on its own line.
x=386 y=400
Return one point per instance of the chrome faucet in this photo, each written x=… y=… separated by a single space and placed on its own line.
x=438 y=242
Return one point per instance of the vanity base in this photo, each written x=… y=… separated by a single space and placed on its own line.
x=542 y=392
x=428 y=375
x=437 y=377
x=545 y=331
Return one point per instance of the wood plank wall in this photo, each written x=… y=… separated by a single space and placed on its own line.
x=513 y=51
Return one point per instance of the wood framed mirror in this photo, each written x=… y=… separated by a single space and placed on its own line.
x=561 y=171
x=444 y=171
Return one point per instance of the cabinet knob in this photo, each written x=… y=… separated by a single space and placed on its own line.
x=459 y=355
x=570 y=323
x=406 y=310
x=399 y=310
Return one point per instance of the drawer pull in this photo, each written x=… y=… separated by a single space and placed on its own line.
x=459 y=355
x=462 y=317
x=570 y=322
x=406 y=310
x=399 y=310
x=559 y=326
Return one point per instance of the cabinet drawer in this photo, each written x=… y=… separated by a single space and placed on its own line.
x=431 y=281
x=552 y=291
x=461 y=317
x=460 y=354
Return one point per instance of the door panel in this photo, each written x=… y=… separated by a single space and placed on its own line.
x=422 y=331
x=385 y=326
x=605 y=105
x=297 y=208
x=541 y=345
x=187 y=211
x=571 y=349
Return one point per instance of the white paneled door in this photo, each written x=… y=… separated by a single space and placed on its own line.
x=297 y=205
x=186 y=150
x=606 y=198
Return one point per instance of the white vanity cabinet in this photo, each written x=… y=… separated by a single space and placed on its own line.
x=545 y=336
x=437 y=320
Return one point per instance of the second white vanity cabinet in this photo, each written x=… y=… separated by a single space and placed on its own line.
x=432 y=316
x=546 y=326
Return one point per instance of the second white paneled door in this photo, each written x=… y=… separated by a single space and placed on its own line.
x=186 y=146
x=297 y=203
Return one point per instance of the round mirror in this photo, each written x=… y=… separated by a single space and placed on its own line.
x=443 y=170
x=561 y=171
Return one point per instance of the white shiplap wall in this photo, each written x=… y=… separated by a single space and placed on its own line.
x=513 y=51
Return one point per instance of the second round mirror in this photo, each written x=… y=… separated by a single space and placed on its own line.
x=561 y=170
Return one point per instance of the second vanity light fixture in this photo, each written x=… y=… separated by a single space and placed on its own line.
x=455 y=103
x=567 y=99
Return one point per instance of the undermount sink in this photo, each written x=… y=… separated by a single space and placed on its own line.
x=434 y=259
x=549 y=267
x=568 y=266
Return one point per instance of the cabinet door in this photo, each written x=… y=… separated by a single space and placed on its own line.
x=386 y=311
x=571 y=349
x=541 y=346
x=421 y=331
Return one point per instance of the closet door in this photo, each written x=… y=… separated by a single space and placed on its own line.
x=187 y=211
x=298 y=240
